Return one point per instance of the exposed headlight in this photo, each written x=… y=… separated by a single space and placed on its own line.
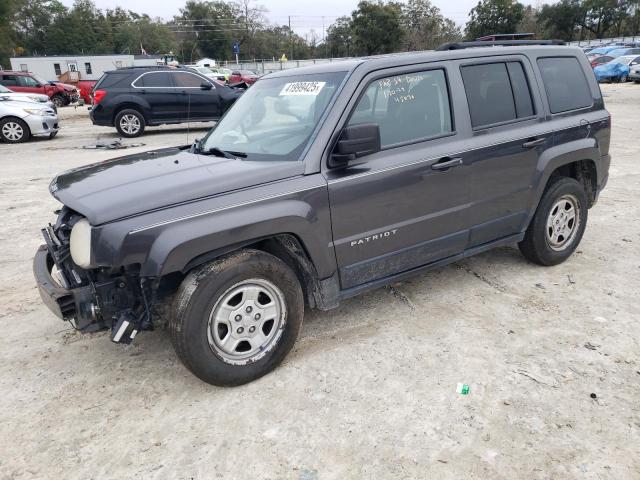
x=80 y=243
x=35 y=111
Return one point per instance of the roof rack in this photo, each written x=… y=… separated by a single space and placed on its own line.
x=497 y=43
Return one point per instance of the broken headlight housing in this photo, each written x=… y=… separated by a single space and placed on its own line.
x=80 y=243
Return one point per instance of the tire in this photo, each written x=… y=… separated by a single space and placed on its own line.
x=52 y=135
x=624 y=79
x=218 y=297
x=542 y=243
x=59 y=101
x=14 y=130
x=130 y=123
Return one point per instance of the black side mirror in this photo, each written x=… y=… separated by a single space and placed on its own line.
x=355 y=141
x=206 y=86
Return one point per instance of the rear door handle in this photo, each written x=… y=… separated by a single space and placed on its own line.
x=447 y=163
x=534 y=143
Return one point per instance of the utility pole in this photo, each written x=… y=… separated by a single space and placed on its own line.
x=290 y=40
x=324 y=43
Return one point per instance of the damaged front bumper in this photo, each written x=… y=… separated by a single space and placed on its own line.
x=91 y=300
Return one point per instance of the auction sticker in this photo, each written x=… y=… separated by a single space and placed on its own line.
x=302 y=88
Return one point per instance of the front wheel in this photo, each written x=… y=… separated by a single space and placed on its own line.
x=236 y=318
x=558 y=224
x=130 y=123
x=623 y=78
x=59 y=101
x=14 y=130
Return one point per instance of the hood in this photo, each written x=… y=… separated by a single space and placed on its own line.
x=34 y=97
x=138 y=183
x=66 y=86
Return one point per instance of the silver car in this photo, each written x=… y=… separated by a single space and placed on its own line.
x=20 y=120
x=634 y=73
x=33 y=97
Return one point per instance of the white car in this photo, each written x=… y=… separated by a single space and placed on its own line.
x=20 y=120
x=33 y=97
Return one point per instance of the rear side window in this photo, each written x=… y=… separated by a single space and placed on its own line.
x=407 y=108
x=565 y=83
x=154 y=80
x=497 y=93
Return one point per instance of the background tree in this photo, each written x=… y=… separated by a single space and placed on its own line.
x=494 y=16
x=560 y=20
x=377 y=27
x=339 y=37
x=425 y=26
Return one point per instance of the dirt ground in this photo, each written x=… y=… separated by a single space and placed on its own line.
x=370 y=389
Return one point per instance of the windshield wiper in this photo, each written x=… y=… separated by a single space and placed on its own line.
x=218 y=152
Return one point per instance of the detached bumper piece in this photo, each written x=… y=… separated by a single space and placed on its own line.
x=125 y=329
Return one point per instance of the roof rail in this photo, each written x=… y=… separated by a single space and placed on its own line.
x=497 y=43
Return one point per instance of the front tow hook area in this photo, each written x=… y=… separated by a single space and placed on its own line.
x=125 y=328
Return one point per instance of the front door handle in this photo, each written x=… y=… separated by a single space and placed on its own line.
x=447 y=163
x=534 y=143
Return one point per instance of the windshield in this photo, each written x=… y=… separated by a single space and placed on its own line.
x=40 y=80
x=274 y=119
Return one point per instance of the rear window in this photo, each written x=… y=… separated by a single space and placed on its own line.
x=565 y=83
x=497 y=93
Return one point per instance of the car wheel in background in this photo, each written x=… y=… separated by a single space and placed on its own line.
x=52 y=135
x=236 y=318
x=558 y=224
x=58 y=100
x=14 y=130
x=624 y=78
x=130 y=123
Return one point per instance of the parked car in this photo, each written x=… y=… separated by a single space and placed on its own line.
x=85 y=87
x=323 y=182
x=247 y=76
x=634 y=73
x=5 y=93
x=619 y=52
x=596 y=52
x=600 y=60
x=209 y=72
x=617 y=70
x=20 y=120
x=130 y=99
x=60 y=94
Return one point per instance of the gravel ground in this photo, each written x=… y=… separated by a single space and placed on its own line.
x=370 y=389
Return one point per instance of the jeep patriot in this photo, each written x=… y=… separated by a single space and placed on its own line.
x=321 y=183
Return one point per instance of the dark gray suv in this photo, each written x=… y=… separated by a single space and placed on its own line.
x=321 y=183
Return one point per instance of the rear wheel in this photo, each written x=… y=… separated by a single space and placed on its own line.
x=235 y=319
x=130 y=123
x=624 y=78
x=558 y=224
x=14 y=130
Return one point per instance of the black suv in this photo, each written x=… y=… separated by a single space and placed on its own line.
x=132 y=98
x=321 y=183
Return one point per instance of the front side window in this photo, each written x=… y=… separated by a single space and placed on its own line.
x=565 y=83
x=496 y=93
x=407 y=108
x=274 y=119
x=187 y=80
x=154 y=80
x=27 y=82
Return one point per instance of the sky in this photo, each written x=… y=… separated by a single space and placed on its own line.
x=305 y=14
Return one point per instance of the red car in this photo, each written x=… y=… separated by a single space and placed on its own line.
x=60 y=94
x=247 y=76
x=600 y=60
